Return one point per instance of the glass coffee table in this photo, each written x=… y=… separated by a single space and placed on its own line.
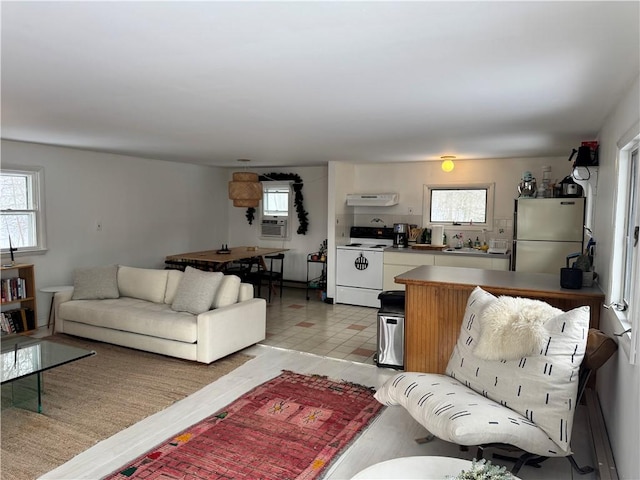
x=24 y=356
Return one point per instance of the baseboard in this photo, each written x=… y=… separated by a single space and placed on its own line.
x=606 y=465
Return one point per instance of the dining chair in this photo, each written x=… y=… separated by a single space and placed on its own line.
x=245 y=268
x=271 y=276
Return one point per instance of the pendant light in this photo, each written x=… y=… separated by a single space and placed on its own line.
x=245 y=190
x=447 y=163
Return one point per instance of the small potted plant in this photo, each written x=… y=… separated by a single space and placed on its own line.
x=483 y=470
x=322 y=251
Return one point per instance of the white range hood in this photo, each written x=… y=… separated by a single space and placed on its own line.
x=372 y=199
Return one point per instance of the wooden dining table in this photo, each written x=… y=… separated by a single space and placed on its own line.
x=217 y=260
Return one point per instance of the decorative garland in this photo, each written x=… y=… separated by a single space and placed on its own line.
x=297 y=200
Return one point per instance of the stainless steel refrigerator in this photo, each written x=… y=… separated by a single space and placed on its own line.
x=546 y=230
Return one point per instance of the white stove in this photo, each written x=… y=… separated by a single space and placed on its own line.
x=359 y=266
x=354 y=245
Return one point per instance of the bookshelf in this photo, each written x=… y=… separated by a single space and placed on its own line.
x=25 y=298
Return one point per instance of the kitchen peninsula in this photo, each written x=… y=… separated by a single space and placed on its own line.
x=436 y=299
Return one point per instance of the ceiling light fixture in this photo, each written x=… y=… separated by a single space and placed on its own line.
x=245 y=190
x=447 y=162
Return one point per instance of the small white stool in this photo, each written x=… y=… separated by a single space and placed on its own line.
x=53 y=291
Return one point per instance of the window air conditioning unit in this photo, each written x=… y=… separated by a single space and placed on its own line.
x=273 y=228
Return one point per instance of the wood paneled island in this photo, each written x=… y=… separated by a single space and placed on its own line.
x=436 y=298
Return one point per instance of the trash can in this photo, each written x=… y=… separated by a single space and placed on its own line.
x=390 y=331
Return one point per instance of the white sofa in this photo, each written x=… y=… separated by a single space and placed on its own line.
x=194 y=315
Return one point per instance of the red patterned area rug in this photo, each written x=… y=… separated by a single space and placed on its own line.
x=290 y=427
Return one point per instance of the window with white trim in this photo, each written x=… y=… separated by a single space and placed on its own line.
x=626 y=254
x=632 y=221
x=276 y=199
x=276 y=210
x=22 y=210
x=470 y=205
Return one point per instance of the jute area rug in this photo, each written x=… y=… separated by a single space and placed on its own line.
x=92 y=399
x=290 y=427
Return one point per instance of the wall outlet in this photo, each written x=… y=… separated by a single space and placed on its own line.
x=98 y=226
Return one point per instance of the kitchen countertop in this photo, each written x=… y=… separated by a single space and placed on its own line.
x=442 y=252
x=514 y=281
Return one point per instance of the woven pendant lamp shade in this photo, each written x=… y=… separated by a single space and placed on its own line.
x=245 y=190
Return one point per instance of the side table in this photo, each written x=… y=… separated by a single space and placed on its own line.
x=53 y=291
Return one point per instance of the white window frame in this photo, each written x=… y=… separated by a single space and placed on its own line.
x=624 y=256
x=36 y=175
x=632 y=220
x=486 y=225
x=272 y=185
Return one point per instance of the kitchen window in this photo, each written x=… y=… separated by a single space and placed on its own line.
x=470 y=205
x=22 y=210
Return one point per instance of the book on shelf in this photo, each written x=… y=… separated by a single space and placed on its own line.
x=12 y=289
x=18 y=320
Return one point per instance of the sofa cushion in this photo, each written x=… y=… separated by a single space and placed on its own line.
x=173 y=280
x=541 y=387
x=457 y=414
x=96 y=283
x=133 y=315
x=196 y=291
x=143 y=283
x=228 y=292
x=245 y=293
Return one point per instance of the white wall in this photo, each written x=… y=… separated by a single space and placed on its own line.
x=408 y=179
x=618 y=381
x=341 y=182
x=314 y=194
x=148 y=209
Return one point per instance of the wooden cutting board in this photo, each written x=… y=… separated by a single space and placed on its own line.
x=427 y=246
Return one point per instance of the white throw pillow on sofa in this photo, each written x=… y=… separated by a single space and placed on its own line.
x=96 y=283
x=227 y=292
x=143 y=283
x=173 y=280
x=541 y=387
x=245 y=293
x=196 y=291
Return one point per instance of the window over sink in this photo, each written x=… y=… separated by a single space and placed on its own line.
x=470 y=205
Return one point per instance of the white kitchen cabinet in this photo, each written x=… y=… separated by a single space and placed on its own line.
x=500 y=264
x=396 y=263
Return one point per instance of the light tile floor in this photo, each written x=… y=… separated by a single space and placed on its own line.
x=336 y=331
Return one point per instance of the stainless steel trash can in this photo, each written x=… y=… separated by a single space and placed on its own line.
x=390 y=331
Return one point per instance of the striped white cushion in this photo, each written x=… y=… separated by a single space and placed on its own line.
x=541 y=387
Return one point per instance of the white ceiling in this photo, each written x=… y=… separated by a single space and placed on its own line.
x=303 y=83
